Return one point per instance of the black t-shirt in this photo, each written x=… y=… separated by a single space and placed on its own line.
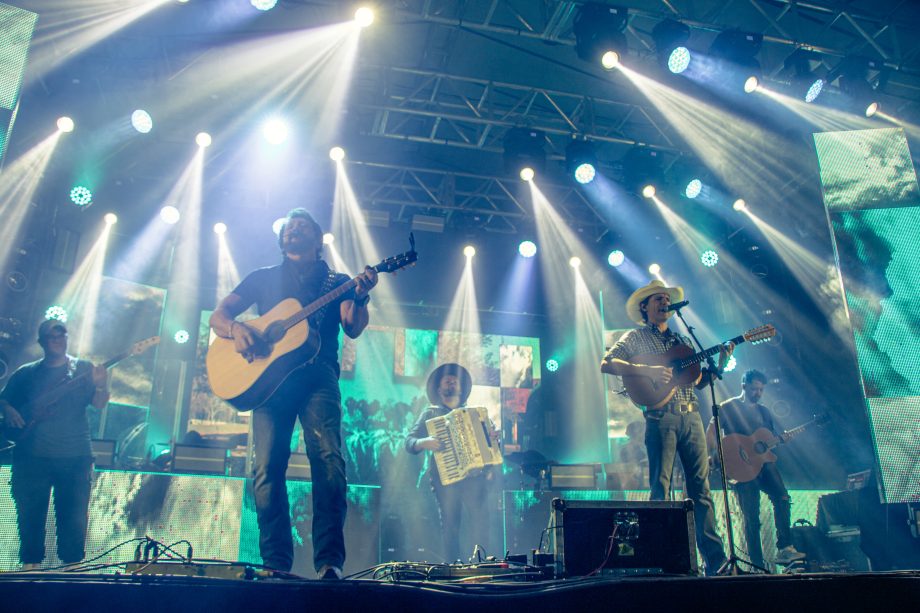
x=738 y=418
x=63 y=428
x=266 y=287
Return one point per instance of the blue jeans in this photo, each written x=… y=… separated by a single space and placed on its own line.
x=771 y=483
x=667 y=435
x=31 y=485
x=312 y=395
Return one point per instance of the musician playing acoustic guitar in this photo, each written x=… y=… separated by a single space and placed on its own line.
x=310 y=393
x=53 y=450
x=675 y=427
x=744 y=415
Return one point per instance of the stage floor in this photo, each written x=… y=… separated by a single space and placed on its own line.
x=804 y=592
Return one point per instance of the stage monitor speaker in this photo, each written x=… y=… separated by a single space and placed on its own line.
x=614 y=537
x=573 y=477
x=299 y=468
x=104 y=452
x=199 y=460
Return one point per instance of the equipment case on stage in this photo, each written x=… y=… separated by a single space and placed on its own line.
x=622 y=537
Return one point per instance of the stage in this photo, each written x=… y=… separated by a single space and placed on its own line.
x=88 y=592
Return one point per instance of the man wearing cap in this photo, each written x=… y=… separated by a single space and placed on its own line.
x=449 y=387
x=53 y=445
x=675 y=428
x=310 y=394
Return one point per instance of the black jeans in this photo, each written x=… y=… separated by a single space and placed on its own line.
x=31 y=485
x=312 y=395
x=471 y=493
x=667 y=435
x=770 y=482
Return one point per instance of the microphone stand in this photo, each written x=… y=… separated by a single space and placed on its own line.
x=731 y=565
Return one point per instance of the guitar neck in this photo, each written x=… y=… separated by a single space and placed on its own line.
x=319 y=303
x=696 y=358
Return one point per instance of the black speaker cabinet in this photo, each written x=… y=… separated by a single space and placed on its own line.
x=622 y=537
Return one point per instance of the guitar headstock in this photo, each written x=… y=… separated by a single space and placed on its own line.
x=141 y=346
x=398 y=262
x=760 y=334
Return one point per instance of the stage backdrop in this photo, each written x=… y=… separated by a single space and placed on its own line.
x=873 y=207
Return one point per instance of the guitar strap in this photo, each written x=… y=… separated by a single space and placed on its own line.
x=317 y=320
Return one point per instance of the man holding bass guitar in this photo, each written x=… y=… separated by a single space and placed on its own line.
x=673 y=425
x=744 y=415
x=52 y=445
x=309 y=393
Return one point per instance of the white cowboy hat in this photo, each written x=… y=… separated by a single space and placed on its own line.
x=654 y=287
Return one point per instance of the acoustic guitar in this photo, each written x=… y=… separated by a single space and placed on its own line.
x=41 y=408
x=286 y=342
x=685 y=365
x=745 y=455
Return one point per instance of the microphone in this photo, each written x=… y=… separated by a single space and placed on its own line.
x=677 y=306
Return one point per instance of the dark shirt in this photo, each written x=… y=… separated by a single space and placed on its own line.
x=63 y=429
x=266 y=287
x=738 y=417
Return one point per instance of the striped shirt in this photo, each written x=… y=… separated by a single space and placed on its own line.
x=649 y=339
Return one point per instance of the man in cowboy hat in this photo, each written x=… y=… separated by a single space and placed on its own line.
x=676 y=427
x=449 y=387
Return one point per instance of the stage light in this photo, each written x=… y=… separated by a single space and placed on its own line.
x=709 y=258
x=581 y=160
x=278 y=224
x=469 y=251
x=110 y=219
x=336 y=154
x=264 y=5
x=181 y=337
x=736 y=50
x=56 y=312
x=364 y=16
x=220 y=228
x=328 y=238
x=654 y=269
x=552 y=365
x=65 y=124
x=528 y=249
x=610 y=60
x=598 y=31
x=616 y=258
x=524 y=148
x=670 y=38
x=739 y=205
x=751 y=84
x=856 y=77
x=693 y=189
x=731 y=365
x=275 y=131
x=575 y=261
x=641 y=166
x=527 y=174
x=170 y=214
x=81 y=195
x=141 y=121
x=679 y=60
x=203 y=139
x=807 y=82
x=649 y=191
x=872 y=109
x=585 y=173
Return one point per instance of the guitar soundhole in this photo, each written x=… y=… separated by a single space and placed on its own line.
x=760 y=447
x=274 y=332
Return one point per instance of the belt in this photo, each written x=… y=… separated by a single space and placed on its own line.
x=677 y=408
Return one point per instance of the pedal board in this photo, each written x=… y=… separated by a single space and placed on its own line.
x=191 y=569
x=454 y=572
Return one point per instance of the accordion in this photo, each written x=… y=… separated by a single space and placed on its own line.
x=466 y=445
